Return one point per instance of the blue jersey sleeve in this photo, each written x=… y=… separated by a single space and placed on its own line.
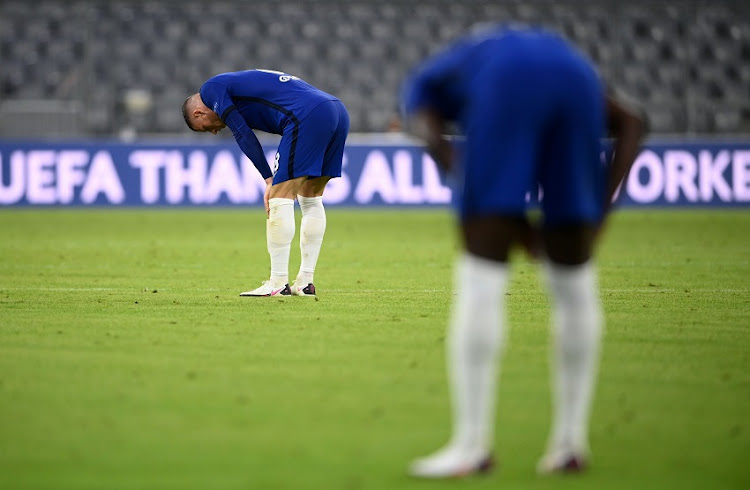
x=217 y=98
x=248 y=142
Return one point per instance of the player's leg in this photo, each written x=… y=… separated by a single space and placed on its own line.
x=497 y=169
x=287 y=189
x=310 y=196
x=574 y=187
x=280 y=225
x=576 y=326
x=312 y=230
x=474 y=343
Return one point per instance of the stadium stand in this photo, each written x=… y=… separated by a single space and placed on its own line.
x=123 y=67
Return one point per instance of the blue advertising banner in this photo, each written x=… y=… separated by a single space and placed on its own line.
x=164 y=174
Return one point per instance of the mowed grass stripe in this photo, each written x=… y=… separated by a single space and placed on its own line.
x=653 y=289
x=127 y=360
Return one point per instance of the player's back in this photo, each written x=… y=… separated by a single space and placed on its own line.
x=452 y=80
x=270 y=100
x=520 y=51
x=530 y=71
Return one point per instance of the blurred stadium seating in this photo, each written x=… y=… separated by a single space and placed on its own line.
x=123 y=67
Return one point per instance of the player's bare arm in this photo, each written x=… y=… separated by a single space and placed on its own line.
x=428 y=125
x=627 y=127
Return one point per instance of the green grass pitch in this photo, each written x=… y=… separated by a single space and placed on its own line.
x=128 y=361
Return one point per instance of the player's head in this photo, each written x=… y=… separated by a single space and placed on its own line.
x=199 y=117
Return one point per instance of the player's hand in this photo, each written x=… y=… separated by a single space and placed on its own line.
x=267 y=195
x=429 y=125
x=443 y=153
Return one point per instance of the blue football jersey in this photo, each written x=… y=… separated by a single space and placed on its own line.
x=447 y=80
x=532 y=110
x=266 y=100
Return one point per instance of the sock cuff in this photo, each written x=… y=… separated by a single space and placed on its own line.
x=481 y=266
x=280 y=201
x=570 y=273
x=482 y=277
x=572 y=281
x=311 y=206
x=309 y=200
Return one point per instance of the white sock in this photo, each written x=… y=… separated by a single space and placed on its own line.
x=577 y=323
x=279 y=235
x=475 y=340
x=311 y=232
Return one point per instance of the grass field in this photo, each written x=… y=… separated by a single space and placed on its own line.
x=128 y=361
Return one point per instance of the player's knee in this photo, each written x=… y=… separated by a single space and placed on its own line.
x=312 y=207
x=569 y=245
x=490 y=238
x=281 y=220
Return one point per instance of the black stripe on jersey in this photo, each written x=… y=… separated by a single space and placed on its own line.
x=295 y=130
x=226 y=112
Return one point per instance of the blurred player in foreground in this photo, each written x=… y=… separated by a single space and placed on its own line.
x=533 y=111
x=313 y=126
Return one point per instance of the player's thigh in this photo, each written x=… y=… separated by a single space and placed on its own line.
x=498 y=170
x=491 y=237
x=287 y=189
x=573 y=175
x=571 y=244
x=314 y=187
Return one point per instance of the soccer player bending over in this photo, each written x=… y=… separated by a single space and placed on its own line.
x=313 y=126
x=533 y=111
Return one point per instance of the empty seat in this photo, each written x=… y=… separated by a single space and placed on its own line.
x=672 y=54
